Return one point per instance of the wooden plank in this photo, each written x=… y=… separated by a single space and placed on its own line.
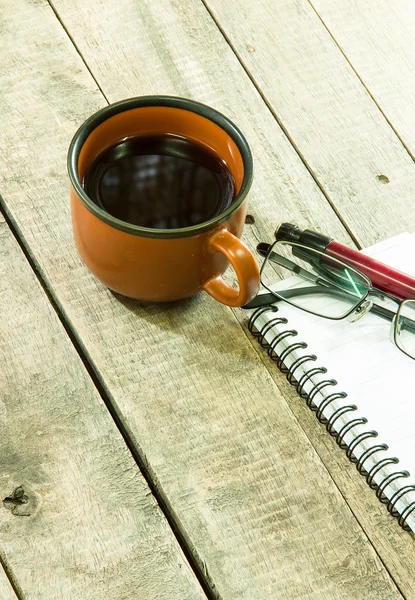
x=262 y=514
x=77 y=518
x=6 y=590
x=327 y=112
x=379 y=41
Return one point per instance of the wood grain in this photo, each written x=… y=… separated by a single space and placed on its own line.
x=77 y=518
x=379 y=41
x=327 y=112
x=262 y=513
x=6 y=590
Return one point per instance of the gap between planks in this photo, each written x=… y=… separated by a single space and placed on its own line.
x=389 y=122
x=11 y=578
x=55 y=12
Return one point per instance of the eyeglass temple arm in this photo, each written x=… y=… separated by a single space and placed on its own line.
x=292 y=266
x=295 y=268
x=264 y=298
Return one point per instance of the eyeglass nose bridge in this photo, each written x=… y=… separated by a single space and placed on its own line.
x=360 y=311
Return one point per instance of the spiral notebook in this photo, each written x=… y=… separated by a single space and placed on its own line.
x=361 y=387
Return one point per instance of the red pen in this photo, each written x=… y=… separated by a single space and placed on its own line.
x=382 y=276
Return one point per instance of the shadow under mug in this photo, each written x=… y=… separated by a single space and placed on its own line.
x=160 y=265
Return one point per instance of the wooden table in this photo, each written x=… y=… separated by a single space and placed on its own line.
x=160 y=453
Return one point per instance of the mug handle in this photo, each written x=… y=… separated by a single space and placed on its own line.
x=245 y=267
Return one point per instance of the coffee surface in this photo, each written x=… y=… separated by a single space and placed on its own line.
x=160 y=181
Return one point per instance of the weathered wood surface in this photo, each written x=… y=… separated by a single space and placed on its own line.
x=245 y=484
x=6 y=590
x=326 y=111
x=77 y=518
x=378 y=39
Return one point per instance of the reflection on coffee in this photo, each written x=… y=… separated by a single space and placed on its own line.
x=161 y=181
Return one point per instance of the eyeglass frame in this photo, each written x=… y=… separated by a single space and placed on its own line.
x=265 y=299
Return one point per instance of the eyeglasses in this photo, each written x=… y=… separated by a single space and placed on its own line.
x=327 y=287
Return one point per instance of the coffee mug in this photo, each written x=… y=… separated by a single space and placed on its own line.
x=160 y=265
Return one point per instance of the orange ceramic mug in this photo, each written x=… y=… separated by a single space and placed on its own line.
x=164 y=264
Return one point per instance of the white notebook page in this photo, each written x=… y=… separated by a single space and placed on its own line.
x=377 y=377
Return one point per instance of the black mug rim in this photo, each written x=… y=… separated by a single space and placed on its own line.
x=109 y=111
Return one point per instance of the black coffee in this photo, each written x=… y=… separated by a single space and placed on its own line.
x=160 y=181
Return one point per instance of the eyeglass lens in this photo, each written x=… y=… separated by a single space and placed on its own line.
x=312 y=280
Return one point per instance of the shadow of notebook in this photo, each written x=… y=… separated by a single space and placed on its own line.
x=361 y=386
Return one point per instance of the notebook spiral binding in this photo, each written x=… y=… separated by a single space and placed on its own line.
x=330 y=424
